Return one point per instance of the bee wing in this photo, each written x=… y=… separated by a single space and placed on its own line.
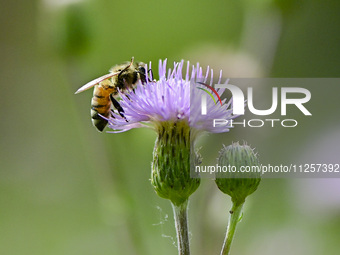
x=95 y=82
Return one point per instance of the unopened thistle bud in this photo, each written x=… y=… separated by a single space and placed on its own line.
x=171 y=163
x=237 y=183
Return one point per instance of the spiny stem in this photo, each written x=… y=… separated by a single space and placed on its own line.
x=181 y=222
x=234 y=218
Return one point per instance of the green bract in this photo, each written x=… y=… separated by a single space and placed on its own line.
x=171 y=163
x=238 y=184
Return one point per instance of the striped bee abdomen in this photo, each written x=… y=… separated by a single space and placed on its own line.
x=100 y=104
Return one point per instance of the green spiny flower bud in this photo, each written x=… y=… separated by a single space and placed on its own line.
x=235 y=183
x=171 y=163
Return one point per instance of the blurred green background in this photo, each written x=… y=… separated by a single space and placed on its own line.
x=68 y=189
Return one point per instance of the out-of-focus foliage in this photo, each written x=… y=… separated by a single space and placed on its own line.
x=68 y=189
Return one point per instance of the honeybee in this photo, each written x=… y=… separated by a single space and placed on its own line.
x=122 y=77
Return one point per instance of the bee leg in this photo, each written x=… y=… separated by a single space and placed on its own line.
x=118 y=107
x=150 y=75
x=142 y=76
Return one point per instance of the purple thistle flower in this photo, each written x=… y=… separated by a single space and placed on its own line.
x=168 y=100
x=172 y=107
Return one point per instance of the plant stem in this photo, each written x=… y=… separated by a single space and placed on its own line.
x=234 y=218
x=181 y=222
